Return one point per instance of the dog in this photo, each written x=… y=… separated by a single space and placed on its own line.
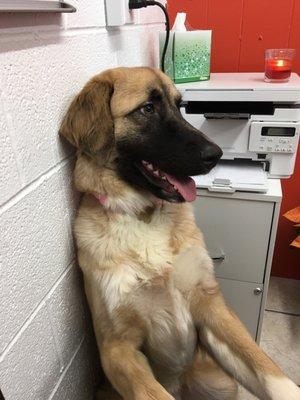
x=162 y=326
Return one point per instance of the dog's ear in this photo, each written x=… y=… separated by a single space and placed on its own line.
x=88 y=124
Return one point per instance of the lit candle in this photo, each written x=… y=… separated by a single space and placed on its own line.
x=280 y=63
x=278 y=68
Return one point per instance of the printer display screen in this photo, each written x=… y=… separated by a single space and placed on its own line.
x=278 y=131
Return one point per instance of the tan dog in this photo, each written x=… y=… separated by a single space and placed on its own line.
x=162 y=326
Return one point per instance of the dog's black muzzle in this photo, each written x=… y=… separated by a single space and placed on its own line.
x=184 y=150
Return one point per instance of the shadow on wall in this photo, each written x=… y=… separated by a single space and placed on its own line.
x=122 y=40
x=17 y=23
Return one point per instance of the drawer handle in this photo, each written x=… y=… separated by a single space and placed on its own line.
x=257 y=291
x=221 y=258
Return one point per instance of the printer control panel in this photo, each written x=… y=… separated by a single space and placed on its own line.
x=274 y=137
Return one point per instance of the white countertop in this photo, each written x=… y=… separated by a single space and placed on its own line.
x=241 y=86
x=241 y=81
x=274 y=193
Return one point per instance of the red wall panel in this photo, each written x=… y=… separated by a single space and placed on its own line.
x=242 y=30
x=286 y=260
x=294 y=39
x=196 y=11
x=226 y=25
x=266 y=25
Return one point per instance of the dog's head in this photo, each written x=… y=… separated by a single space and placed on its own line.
x=129 y=119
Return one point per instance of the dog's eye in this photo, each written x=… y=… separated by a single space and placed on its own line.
x=147 y=109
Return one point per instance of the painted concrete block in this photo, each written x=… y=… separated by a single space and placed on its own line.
x=9 y=175
x=16 y=23
x=81 y=377
x=89 y=14
x=30 y=369
x=67 y=313
x=151 y=14
x=136 y=46
x=37 y=97
x=35 y=250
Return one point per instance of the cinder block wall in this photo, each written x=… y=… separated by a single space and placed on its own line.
x=45 y=340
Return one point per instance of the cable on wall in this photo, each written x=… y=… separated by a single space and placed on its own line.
x=135 y=4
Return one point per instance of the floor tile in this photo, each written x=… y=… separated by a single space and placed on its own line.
x=280 y=340
x=284 y=295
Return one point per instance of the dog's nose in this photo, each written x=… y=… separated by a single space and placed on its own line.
x=211 y=155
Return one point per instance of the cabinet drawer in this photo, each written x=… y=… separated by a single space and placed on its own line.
x=236 y=233
x=245 y=300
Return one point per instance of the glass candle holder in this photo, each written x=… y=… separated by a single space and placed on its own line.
x=278 y=64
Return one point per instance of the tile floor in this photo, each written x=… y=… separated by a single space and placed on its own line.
x=281 y=332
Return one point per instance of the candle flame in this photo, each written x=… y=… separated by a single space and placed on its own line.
x=280 y=63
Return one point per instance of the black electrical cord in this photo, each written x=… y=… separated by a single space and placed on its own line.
x=134 y=4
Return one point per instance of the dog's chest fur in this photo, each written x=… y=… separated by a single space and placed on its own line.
x=131 y=260
x=171 y=336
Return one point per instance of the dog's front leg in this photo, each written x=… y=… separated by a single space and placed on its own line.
x=120 y=333
x=129 y=372
x=228 y=341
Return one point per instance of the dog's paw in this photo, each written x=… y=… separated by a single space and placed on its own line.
x=282 y=388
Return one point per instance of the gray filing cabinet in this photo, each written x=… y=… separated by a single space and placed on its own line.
x=239 y=231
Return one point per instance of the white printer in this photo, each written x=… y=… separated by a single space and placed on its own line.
x=256 y=124
x=238 y=205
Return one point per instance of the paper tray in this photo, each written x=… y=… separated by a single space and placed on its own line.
x=231 y=176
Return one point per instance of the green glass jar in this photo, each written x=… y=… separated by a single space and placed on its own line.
x=188 y=55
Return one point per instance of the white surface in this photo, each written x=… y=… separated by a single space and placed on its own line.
x=179 y=23
x=234 y=176
x=44 y=61
x=241 y=86
x=273 y=194
x=242 y=81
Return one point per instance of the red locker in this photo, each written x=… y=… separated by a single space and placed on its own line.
x=266 y=25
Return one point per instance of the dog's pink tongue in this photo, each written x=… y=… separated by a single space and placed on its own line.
x=186 y=187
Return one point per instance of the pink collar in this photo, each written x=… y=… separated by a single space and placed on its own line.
x=102 y=198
